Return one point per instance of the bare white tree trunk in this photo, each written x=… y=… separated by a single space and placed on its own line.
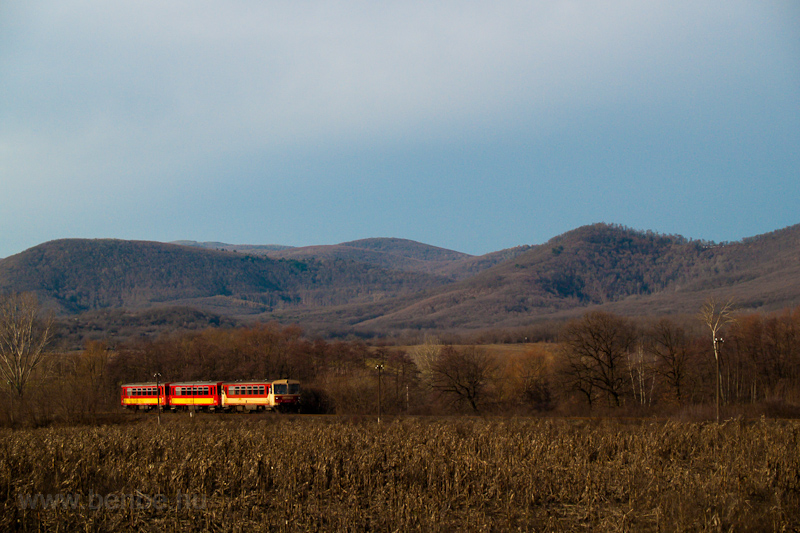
x=716 y=316
x=23 y=337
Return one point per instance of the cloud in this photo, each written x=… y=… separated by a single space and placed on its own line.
x=307 y=72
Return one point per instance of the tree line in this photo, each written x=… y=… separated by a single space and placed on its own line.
x=598 y=364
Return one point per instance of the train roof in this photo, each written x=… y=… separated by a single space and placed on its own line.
x=146 y=384
x=193 y=383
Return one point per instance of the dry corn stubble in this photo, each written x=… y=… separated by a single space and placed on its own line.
x=469 y=474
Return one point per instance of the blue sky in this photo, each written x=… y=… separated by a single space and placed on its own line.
x=474 y=126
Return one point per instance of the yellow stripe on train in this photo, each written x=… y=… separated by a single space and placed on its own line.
x=139 y=401
x=191 y=401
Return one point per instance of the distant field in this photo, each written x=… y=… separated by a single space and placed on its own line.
x=499 y=350
x=333 y=474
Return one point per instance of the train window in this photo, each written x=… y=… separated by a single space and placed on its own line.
x=205 y=391
x=128 y=391
x=261 y=390
x=279 y=388
x=249 y=390
x=294 y=388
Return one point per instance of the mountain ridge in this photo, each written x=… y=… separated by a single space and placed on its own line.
x=389 y=284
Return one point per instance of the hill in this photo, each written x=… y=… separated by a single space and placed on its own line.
x=389 y=253
x=617 y=268
x=383 y=285
x=78 y=275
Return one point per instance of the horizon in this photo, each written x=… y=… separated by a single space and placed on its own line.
x=190 y=242
x=467 y=127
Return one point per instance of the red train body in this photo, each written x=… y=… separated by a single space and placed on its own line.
x=256 y=395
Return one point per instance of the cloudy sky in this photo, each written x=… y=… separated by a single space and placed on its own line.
x=474 y=126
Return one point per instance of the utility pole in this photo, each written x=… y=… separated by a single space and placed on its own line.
x=717 y=349
x=379 y=368
x=157 y=375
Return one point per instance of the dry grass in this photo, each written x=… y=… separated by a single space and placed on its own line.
x=327 y=474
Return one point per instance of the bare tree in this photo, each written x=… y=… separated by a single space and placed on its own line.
x=671 y=346
x=426 y=355
x=462 y=375
x=23 y=337
x=641 y=367
x=595 y=350
x=716 y=316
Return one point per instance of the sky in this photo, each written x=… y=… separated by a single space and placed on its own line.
x=474 y=126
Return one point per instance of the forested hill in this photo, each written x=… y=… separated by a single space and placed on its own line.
x=381 y=285
x=632 y=272
x=390 y=253
x=77 y=275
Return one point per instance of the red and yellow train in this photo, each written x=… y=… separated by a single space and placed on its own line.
x=278 y=395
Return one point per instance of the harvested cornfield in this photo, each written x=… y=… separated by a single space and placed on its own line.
x=286 y=474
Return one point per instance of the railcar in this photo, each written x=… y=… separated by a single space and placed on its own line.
x=144 y=395
x=195 y=395
x=286 y=395
x=247 y=395
x=280 y=395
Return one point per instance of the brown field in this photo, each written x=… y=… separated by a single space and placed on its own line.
x=273 y=473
